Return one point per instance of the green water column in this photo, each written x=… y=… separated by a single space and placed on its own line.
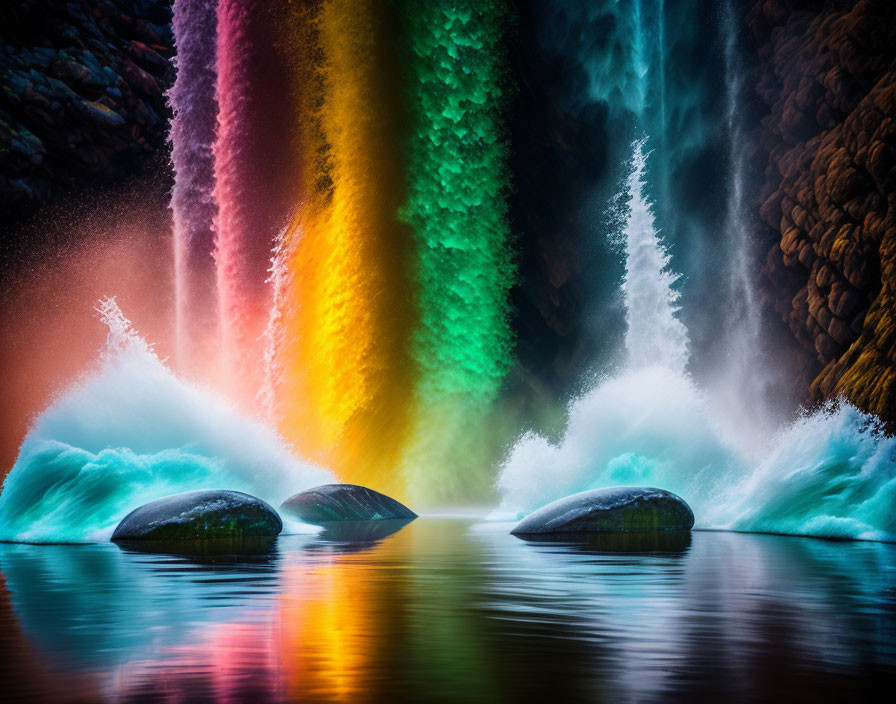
x=457 y=190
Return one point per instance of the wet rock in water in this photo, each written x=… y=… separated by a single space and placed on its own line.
x=344 y=502
x=623 y=509
x=200 y=515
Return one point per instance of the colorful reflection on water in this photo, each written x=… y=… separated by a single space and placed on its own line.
x=451 y=610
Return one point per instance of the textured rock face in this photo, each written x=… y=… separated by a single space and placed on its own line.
x=828 y=79
x=344 y=502
x=83 y=93
x=623 y=509
x=200 y=515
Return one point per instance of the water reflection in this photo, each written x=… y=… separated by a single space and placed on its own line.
x=217 y=550
x=637 y=543
x=445 y=610
x=358 y=535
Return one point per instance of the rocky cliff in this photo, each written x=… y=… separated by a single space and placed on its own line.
x=828 y=138
x=83 y=96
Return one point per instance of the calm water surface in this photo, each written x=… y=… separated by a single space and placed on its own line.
x=451 y=610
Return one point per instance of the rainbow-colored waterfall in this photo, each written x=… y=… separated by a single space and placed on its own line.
x=374 y=329
x=456 y=206
x=344 y=269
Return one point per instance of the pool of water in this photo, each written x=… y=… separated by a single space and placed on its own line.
x=448 y=609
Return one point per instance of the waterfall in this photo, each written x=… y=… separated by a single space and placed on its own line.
x=346 y=309
x=740 y=284
x=829 y=473
x=193 y=205
x=655 y=334
x=254 y=180
x=362 y=146
x=462 y=347
x=744 y=382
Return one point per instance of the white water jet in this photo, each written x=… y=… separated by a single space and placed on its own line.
x=830 y=473
x=655 y=334
x=130 y=433
x=274 y=337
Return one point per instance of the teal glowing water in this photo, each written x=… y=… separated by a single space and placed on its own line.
x=130 y=433
x=831 y=473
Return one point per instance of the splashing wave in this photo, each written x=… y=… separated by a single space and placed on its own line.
x=830 y=473
x=130 y=433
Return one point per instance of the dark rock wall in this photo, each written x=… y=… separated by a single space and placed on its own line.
x=83 y=94
x=558 y=157
x=828 y=79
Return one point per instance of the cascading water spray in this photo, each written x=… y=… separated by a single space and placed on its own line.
x=130 y=433
x=390 y=337
x=743 y=383
x=655 y=334
x=193 y=204
x=830 y=473
x=741 y=287
x=347 y=309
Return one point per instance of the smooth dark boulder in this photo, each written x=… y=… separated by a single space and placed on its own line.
x=344 y=502
x=622 y=509
x=200 y=515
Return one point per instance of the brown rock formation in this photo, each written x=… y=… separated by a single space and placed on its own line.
x=828 y=77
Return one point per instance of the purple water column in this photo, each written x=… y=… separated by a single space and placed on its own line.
x=193 y=205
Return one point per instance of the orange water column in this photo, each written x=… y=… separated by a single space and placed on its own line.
x=346 y=308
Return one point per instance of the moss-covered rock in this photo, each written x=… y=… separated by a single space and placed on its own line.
x=623 y=509
x=200 y=515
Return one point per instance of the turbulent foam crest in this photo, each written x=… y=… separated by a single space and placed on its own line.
x=831 y=473
x=648 y=426
x=131 y=433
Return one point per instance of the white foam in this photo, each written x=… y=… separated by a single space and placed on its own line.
x=130 y=433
